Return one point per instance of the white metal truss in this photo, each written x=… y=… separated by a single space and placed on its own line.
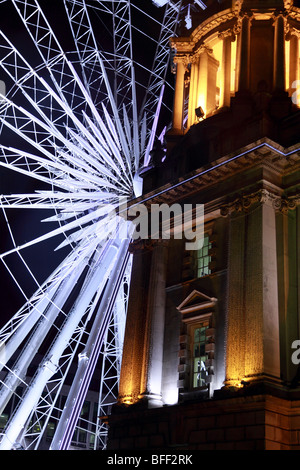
x=80 y=125
x=112 y=358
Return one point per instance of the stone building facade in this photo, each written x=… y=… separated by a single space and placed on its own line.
x=210 y=353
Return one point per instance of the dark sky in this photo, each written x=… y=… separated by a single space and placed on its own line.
x=26 y=224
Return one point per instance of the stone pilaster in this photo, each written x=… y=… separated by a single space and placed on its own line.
x=293 y=36
x=262 y=356
x=288 y=285
x=151 y=378
x=227 y=38
x=235 y=324
x=206 y=92
x=279 y=53
x=193 y=90
x=244 y=48
x=133 y=350
x=179 y=94
x=252 y=345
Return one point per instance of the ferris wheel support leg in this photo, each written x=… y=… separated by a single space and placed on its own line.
x=51 y=362
x=88 y=358
x=111 y=361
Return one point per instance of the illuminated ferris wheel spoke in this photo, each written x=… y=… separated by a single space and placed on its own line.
x=36 y=305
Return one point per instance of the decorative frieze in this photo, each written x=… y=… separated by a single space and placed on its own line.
x=244 y=202
x=188 y=45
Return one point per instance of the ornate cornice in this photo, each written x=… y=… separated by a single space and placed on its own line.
x=235 y=15
x=189 y=44
x=205 y=179
x=237 y=6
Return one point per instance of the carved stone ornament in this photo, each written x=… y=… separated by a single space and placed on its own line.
x=292 y=32
x=244 y=202
x=183 y=59
x=228 y=33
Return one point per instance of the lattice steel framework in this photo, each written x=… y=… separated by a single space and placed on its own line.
x=84 y=124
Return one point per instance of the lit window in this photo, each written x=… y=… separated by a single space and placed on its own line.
x=197 y=346
x=203 y=258
x=199 y=356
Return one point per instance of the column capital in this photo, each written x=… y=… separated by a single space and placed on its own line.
x=276 y=15
x=292 y=32
x=201 y=50
x=243 y=15
x=284 y=205
x=228 y=33
x=184 y=59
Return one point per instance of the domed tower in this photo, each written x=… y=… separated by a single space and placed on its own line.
x=210 y=356
x=236 y=48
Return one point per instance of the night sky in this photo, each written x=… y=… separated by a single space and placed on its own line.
x=26 y=224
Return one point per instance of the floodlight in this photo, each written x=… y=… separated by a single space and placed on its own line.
x=160 y=3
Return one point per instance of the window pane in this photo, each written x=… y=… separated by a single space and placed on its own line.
x=199 y=357
x=203 y=258
x=197 y=335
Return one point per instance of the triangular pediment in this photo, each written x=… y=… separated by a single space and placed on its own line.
x=196 y=301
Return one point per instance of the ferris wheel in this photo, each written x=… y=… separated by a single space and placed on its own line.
x=79 y=114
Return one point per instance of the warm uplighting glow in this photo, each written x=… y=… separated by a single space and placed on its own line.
x=233 y=74
x=292 y=75
x=211 y=74
x=128 y=402
x=287 y=65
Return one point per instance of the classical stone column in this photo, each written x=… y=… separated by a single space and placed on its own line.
x=207 y=81
x=179 y=94
x=151 y=378
x=252 y=344
x=294 y=59
x=193 y=90
x=298 y=263
x=279 y=53
x=244 y=62
x=136 y=323
x=262 y=358
x=288 y=233
x=235 y=322
x=227 y=37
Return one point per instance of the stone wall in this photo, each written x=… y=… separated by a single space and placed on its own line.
x=261 y=422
